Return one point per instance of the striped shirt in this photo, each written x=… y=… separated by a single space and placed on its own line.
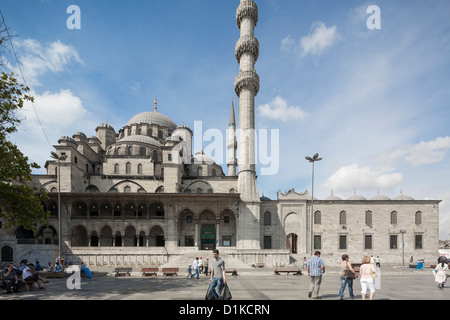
x=314 y=265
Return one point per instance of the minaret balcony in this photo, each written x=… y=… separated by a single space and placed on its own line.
x=246 y=80
x=247 y=44
x=247 y=9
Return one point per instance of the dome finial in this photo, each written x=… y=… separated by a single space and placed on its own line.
x=156 y=105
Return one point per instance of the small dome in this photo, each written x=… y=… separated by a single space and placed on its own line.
x=141 y=139
x=66 y=138
x=152 y=118
x=403 y=197
x=201 y=158
x=79 y=133
x=356 y=197
x=333 y=197
x=380 y=197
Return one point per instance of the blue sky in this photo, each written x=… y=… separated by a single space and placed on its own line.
x=373 y=103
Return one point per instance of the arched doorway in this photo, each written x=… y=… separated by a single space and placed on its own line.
x=292 y=243
x=79 y=237
x=207 y=222
x=7 y=254
x=156 y=237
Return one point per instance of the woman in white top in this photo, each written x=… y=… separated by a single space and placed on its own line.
x=367 y=271
x=440 y=273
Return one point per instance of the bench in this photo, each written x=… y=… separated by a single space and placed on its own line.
x=287 y=271
x=356 y=266
x=28 y=284
x=232 y=272
x=173 y=272
x=53 y=275
x=149 y=272
x=259 y=265
x=123 y=272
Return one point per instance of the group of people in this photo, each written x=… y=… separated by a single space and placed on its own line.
x=367 y=274
x=198 y=267
x=13 y=277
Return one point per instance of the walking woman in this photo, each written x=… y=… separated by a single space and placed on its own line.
x=440 y=273
x=347 y=276
x=367 y=273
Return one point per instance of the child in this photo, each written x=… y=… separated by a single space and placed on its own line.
x=189 y=272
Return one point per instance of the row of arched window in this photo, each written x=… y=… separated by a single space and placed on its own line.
x=128 y=170
x=368 y=218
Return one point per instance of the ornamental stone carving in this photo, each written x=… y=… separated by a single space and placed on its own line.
x=246 y=80
x=247 y=44
x=247 y=8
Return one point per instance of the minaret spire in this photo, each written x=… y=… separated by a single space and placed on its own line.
x=247 y=87
x=232 y=144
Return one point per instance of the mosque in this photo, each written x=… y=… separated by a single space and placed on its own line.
x=141 y=196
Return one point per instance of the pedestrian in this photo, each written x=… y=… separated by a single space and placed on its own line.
x=206 y=266
x=85 y=269
x=367 y=273
x=440 y=273
x=315 y=268
x=218 y=274
x=189 y=272
x=195 y=267
x=200 y=265
x=347 y=276
x=304 y=263
x=378 y=262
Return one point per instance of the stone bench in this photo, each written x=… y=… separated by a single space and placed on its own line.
x=149 y=272
x=295 y=272
x=259 y=265
x=123 y=272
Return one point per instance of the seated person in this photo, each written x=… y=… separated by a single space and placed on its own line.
x=58 y=267
x=23 y=263
x=11 y=279
x=85 y=269
x=29 y=274
x=50 y=267
x=38 y=266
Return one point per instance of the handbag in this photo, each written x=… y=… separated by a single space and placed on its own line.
x=349 y=275
x=209 y=295
x=225 y=294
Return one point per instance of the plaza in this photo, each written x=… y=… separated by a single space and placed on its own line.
x=253 y=285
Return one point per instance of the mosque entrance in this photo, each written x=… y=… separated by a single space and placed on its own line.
x=292 y=243
x=208 y=237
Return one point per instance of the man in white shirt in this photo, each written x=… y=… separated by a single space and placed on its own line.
x=29 y=274
x=195 y=267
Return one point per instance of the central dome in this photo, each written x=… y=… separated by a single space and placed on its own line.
x=152 y=117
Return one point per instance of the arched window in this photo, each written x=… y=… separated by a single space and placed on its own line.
x=317 y=217
x=199 y=190
x=199 y=171
x=129 y=150
x=128 y=168
x=160 y=134
x=394 y=217
x=149 y=132
x=267 y=218
x=369 y=218
x=127 y=189
x=7 y=254
x=343 y=218
x=143 y=151
x=155 y=156
x=116 y=168
x=214 y=172
x=418 y=218
x=139 y=169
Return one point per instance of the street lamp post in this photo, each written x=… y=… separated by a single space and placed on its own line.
x=312 y=160
x=403 y=247
x=59 y=158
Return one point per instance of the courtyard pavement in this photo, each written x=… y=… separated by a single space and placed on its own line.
x=249 y=285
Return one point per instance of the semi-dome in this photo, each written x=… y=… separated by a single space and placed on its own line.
x=153 y=117
x=140 y=139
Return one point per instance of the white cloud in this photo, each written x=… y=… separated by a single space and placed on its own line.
x=353 y=177
x=278 y=109
x=37 y=59
x=318 y=39
x=422 y=153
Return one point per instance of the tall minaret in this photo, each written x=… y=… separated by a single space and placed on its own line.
x=232 y=145
x=247 y=87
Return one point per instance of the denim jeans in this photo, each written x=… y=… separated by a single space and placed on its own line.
x=195 y=273
x=344 y=282
x=216 y=282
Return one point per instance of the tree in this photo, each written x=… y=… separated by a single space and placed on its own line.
x=20 y=204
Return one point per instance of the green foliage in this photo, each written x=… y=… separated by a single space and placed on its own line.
x=20 y=204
